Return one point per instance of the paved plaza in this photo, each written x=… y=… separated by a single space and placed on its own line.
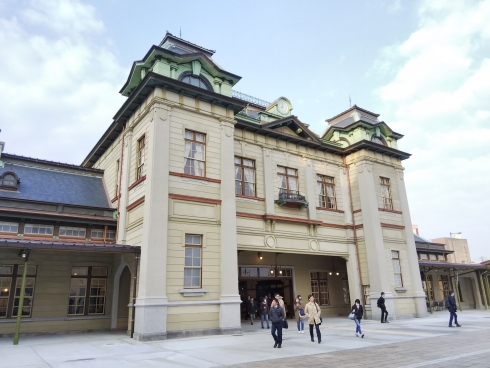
x=426 y=342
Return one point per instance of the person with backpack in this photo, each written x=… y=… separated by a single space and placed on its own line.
x=299 y=314
x=314 y=314
x=276 y=315
x=264 y=312
x=451 y=306
x=358 y=312
x=384 y=312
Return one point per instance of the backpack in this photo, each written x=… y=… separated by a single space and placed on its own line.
x=448 y=305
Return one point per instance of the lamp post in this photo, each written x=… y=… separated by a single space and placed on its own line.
x=24 y=253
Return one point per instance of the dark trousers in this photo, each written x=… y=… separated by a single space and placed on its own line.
x=453 y=315
x=318 y=333
x=384 y=314
x=277 y=327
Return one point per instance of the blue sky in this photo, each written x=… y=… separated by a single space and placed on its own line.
x=423 y=65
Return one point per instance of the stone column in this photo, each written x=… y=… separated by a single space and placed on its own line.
x=125 y=177
x=268 y=182
x=412 y=258
x=310 y=189
x=373 y=236
x=353 y=276
x=151 y=303
x=229 y=316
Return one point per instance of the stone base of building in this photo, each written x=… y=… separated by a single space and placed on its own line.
x=203 y=332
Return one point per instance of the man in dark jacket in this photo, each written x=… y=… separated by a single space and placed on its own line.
x=276 y=315
x=384 y=312
x=251 y=309
x=452 y=309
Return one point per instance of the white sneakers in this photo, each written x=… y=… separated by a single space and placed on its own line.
x=357 y=335
x=299 y=331
x=302 y=331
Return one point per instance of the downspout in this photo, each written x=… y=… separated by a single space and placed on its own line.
x=135 y=283
x=120 y=180
x=354 y=225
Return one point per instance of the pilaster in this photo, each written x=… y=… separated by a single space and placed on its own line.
x=268 y=181
x=412 y=258
x=373 y=236
x=230 y=298
x=151 y=304
x=310 y=188
x=125 y=177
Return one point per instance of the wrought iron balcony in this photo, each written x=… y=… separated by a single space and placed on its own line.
x=291 y=198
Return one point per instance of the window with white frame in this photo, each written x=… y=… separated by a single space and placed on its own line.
x=432 y=257
x=38 y=229
x=110 y=234
x=87 y=283
x=11 y=275
x=141 y=157
x=78 y=232
x=395 y=259
x=366 y=292
x=326 y=190
x=193 y=261
x=195 y=153
x=244 y=176
x=288 y=180
x=97 y=234
x=9 y=227
x=423 y=256
x=116 y=184
x=386 y=193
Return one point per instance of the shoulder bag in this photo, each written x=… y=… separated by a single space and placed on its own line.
x=321 y=320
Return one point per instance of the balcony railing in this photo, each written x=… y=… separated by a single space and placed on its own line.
x=291 y=198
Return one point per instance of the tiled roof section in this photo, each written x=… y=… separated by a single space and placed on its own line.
x=71 y=246
x=54 y=163
x=55 y=186
x=419 y=239
x=470 y=266
x=355 y=107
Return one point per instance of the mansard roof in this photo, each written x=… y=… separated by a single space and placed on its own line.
x=44 y=181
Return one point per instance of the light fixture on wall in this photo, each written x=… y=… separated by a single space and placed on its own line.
x=333 y=270
x=260 y=255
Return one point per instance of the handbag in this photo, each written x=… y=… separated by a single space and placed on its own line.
x=321 y=320
x=301 y=312
x=285 y=324
x=352 y=316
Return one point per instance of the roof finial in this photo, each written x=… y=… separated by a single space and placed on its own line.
x=350 y=102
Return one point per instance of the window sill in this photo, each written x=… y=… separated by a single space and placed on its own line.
x=241 y=196
x=329 y=209
x=202 y=178
x=401 y=290
x=140 y=180
x=193 y=292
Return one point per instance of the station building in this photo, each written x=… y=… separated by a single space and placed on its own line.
x=210 y=196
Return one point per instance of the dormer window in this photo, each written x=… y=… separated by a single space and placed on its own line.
x=9 y=181
x=378 y=140
x=191 y=79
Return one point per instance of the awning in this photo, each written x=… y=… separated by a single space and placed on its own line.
x=6 y=243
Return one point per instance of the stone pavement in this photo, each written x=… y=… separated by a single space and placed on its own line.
x=402 y=343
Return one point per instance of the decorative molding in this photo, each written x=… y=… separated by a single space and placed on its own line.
x=143 y=178
x=47 y=213
x=249 y=197
x=250 y=215
x=135 y=203
x=314 y=245
x=172 y=173
x=392 y=226
x=270 y=241
x=329 y=209
x=356 y=211
x=391 y=211
x=194 y=199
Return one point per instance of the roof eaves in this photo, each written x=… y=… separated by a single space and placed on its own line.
x=54 y=163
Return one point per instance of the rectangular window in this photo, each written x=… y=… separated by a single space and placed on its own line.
x=244 y=177
x=427 y=284
x=78 y=232
x=195 y=153
x=432 y=257
x=444 y=285
x=423 y=256
x=38 y=229
x=287 y=180
x=319 y=287
x=9 y=299
x=116 y=184
x=193 y=261
x=365 y=295
x=441 y=258
x=87 y=283
x=110 y=234
x=97 y=234
x=395 y=259
x=326 y=190
x=386 y=193
x=9 y=227
x=141 y=157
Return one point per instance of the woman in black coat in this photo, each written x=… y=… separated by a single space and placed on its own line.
x=358 y=311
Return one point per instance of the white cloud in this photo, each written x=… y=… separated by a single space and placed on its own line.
x=440 y=98
x=60 y=83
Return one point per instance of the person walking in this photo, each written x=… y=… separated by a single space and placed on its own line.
x=358 y=311
x=281 y=303
x=384 y=312
x=314 y=314
x=252 y=309
x=264 y=312
x=451 y=306
x=299 y=314
x=276 y=315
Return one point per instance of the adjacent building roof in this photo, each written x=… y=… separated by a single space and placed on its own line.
x=425 y=245
x=56 y=186
x=448 y=265
x=70 y=246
